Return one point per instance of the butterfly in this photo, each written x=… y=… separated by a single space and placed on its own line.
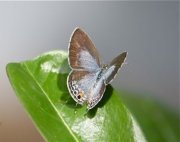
x=88 y=79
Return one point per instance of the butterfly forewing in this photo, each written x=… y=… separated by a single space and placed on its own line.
x=82 y=53
x=114 y=66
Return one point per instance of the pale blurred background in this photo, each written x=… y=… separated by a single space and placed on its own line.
x=147 y=30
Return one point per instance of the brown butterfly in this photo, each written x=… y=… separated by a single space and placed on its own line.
x=88 y=79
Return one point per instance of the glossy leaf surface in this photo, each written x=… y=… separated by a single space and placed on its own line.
x=40 y=84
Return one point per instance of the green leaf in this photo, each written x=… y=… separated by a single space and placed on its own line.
x=159 y=123
x=40 y=84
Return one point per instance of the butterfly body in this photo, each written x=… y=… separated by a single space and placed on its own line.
x=88 y=79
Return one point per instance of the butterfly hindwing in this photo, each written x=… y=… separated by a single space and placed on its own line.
x=79 y=84
x=84 y=87
x=82 y=53
x=96 y=94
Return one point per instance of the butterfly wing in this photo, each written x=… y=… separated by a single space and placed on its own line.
x=84 y=87
x=79 y=85
x=82 y=53
x=96 y=94
x=114 y=66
